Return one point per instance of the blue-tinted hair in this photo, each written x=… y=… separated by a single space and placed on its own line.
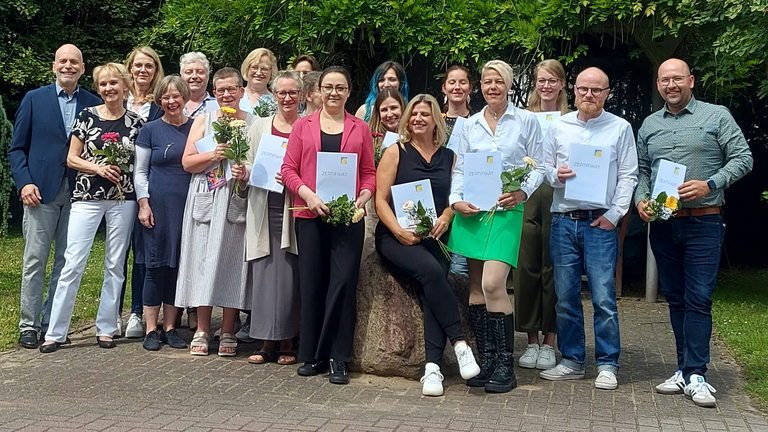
x=374 y=85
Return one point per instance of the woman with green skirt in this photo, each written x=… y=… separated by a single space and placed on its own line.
x=491 y=245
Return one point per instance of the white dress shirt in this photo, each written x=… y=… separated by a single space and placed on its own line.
x=605 y=130
x=518 y=135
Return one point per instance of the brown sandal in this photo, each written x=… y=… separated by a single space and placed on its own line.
x=286 y=354
x=266 y=357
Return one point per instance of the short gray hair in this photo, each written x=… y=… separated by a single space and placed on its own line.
x=287 y=74
x=177 y=82
x=195 y=57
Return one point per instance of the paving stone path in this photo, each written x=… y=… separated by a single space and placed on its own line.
x=84 y=388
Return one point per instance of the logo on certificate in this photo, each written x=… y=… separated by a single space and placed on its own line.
x=549 y=117
x=489 y=159
x=419 y=188
x=285 y=144
x=598 y=153
x=677 y=171
x=343 y=160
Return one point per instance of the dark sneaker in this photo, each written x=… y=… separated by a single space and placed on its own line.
x=173 y=340
x=339 y=373
x=152 y=341
x=313 y=368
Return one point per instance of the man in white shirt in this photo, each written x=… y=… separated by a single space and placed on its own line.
x=584 y=234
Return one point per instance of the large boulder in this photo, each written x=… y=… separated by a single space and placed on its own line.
x=389 y=335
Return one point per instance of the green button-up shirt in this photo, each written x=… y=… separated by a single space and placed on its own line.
x=703 y=137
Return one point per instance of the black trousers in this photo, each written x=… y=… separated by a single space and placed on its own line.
x=160 y=286
x=425 y=264
x=329 y=263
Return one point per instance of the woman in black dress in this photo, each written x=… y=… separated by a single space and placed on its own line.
x=420 y=156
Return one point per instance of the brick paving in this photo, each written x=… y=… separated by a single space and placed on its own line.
x=84 y=388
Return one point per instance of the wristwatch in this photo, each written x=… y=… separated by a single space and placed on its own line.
x=711 y=184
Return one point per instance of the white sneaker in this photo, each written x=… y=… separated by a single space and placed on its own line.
x=561 y=372
x=468 y=367
x=606 y=380
x=432 y=381
x=530 y=357
x=673 y=385
x=700 y=392
x=244 y=334
x=547 y=359
x=134 y=329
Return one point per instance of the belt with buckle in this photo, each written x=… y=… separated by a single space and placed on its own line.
x=585 y=214
x=700 y=211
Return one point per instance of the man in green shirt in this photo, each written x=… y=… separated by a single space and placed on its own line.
x=706 y=139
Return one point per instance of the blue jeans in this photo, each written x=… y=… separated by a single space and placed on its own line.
x=458 y=264
x=687 y=252
x=575 y=246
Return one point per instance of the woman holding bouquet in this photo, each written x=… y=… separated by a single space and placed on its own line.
x=258 y=69
x=273 y=269
x=534 y=282
x=212 y=268
x=491 y=245
x=103 y=189
x=160 y=188
x=330 y=255
x=421 y=156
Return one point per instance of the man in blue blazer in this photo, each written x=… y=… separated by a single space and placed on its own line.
x=38 y=157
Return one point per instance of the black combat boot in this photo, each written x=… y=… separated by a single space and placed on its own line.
x=478 y=315
x=502 y=331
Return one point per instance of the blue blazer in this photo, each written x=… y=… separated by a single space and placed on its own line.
x=38 y=153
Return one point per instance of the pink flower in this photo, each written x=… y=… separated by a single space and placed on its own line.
x=110 y=137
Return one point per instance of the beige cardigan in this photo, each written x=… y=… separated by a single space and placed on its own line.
x=256 y=218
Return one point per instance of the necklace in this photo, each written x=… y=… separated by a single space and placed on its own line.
x=494 y=114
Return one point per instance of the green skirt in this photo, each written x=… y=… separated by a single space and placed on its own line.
x=498 y=240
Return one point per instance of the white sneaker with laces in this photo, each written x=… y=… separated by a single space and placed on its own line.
x=468 y=367
x=561 y=372
x=134 y=329
x=530 y=357
x=700 y=392
x=432 y=381
x=606 y=380
x=547 y=358
x=673 y=385
x=244 y=334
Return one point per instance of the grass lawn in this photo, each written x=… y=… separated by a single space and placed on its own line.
x=740 y=314
x=11 y=257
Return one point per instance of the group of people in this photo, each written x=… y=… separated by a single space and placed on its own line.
x=203 y=238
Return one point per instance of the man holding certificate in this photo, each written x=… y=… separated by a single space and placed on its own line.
x=703 y=142
x=584 y=223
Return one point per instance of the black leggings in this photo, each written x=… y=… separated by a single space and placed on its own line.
x=424 y=264
x=160 y=286
x=329 y=263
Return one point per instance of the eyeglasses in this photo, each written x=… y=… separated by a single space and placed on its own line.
x=328 y=89
x=262 y=69
x=282 y=94
x=224 y=90
x=679 y=80
x=170 y=98
x=543 y=81
x=595 y=90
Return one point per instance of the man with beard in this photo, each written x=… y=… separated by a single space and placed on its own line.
x=584 y=234
x=38 y=157
x=706 y=139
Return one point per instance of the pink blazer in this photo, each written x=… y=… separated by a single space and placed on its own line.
x=300 y=162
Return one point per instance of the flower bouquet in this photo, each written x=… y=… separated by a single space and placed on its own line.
x=118 y=152
x=378 y=139
x=422 y=221
x=511 y=181
x=662 y=207
x=265 y=108
x=229 y=129
x=342 y=211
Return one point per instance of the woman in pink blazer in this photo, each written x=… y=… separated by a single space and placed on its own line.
x=329 y=257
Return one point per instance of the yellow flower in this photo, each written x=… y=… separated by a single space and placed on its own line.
x=359 y=213
x=671 y=203
x=228 y=110
x=529 y=161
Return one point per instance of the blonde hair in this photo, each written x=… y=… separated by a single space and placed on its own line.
x=255 y=56
x=557 y=70
x=440 y=129
x=116 y=70
x=159 y=74
x=502 y=68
